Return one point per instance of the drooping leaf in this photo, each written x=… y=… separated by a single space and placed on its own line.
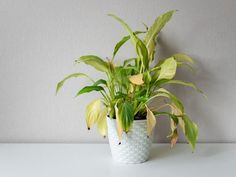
x=92 y=112
x=169 y=115
x=61 y=83
x=102 y=123
x=165 y=93
x=151 y=121
x=95 y=62
x=123 y=41
x=150 y=38
x=188 y=84
x=173 y=125
x=174 y=134
x=126 y=115
x=136 y=79
x=100 y=81
x=88 y=89
x=118 y=123
x=179 y=57
x=168 y=69
x=186 y=65
x=191 y=131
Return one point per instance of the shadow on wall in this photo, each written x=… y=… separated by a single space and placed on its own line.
x=195 y=104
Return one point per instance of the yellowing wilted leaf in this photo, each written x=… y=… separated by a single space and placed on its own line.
x=178 y=112
x=92 y=112
x=174 y=138
x=102 y=123
x=151 y=121
x=118 y=123
x=174 y=135
x=136 y=79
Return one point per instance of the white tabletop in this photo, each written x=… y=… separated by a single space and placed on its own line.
x=94 y=160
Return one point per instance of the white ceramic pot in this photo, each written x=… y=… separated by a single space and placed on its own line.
x=135 y=145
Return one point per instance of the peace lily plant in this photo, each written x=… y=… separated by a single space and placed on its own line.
x=128 y=88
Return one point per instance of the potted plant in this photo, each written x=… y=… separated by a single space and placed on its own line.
x=124 y=110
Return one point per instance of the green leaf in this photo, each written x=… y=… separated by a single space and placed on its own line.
x=120 y=95
x=147 y=77
x=100 y=81
x=172 y=116
x=95 y=62
x=88 y=89
x=74 y=75
x=188 y=84
x=150 y=38
x=142 y=53
x=123 y=41
x=190 y=131
x=126 y=26
x=168 y=69
x=182 y=58
x=138 y=44
x=126 y=115
x=163 y=92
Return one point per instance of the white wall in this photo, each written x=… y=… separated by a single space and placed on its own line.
x=39 y=41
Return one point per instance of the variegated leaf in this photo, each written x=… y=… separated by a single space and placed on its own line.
x=168 y=69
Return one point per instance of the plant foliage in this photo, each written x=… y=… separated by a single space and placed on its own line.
x=129 y=88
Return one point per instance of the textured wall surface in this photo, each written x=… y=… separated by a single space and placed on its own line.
x=39 y=41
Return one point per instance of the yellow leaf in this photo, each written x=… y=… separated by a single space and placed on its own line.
x=174 y=135
x=102 y=123
x=136 y=79
x=151 y=121
x=118 y=124
x=92 y=112
x=168 y=69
